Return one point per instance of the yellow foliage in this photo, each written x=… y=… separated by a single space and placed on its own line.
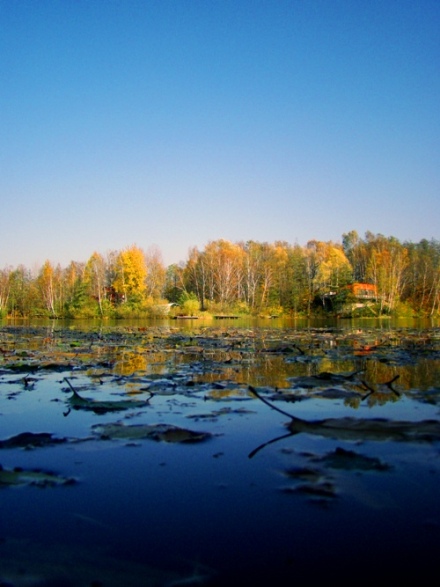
x=131 y=273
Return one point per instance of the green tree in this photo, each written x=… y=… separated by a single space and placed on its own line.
x=174 y=283
x=5 y=285
x=294 y=292
x=189 y=304
x=22 y=292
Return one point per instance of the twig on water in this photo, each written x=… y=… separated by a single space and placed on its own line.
x=71 y=386
x=255 y=392
x=389 y=384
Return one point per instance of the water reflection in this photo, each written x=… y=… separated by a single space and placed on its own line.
x=249 y=356
x=313 y=497
x=383 y=324
x=275 y=371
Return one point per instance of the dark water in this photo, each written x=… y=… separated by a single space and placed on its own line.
x=142 y=512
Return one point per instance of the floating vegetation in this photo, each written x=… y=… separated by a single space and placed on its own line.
x=304 y=474
x=358 y=429
x=18 y=476
x=359 y=436
x=162 y=432
x=324 y=489
x=350 y=460
x=31 y=440
x=77 y=402
x=380 y=429
x=215 y=414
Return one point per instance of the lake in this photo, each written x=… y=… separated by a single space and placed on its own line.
x=185 y=452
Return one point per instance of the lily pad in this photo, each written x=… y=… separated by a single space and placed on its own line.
x=361 y=429
x=221 y=412
x=164 y=432
x=324 y=490
x=304 y=474
x=350 y=460
x=18 y=476
x=378 y=429
x=77 y=402
x=31 y=440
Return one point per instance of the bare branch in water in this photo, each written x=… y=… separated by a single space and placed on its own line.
x=390 y=386
x=346 y=428
x=254 y=391
x=71 y=386
x=261 y=446
x=370 y=390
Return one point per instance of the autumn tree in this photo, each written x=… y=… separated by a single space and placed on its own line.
x=156 y=273
x=273 y=274
x=422 y=283
x=251 y=276
x=223 y=260
x=131 y=272
x=356 y=251
x=266 y=265
x=387 y=263
x=95 y=280
x=48 y=284
x=198 y=276
x=265 y=273
x=327 y=269
x=251 y=273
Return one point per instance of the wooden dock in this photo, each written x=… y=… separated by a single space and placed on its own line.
x=225 y=317
x=185 y=317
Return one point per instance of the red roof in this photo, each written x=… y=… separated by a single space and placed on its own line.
x=363 y=289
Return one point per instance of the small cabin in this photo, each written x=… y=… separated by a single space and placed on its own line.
x=365 y=291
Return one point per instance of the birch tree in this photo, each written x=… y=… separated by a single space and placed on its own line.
x=95 y=279
x=131 y=273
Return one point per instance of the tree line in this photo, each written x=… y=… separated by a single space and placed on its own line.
x=241 y=277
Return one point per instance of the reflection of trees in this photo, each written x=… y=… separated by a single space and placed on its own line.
x=129 y=362
x=219 y=394
x=273 y=362
x=418 y=375
x=277 y=372
x=421 y=376
x=353 y=402
x=380 y=398
x=376 y=371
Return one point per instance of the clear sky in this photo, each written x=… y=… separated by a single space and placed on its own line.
x=173 y=123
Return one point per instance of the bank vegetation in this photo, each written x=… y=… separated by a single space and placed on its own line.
x=255 y=278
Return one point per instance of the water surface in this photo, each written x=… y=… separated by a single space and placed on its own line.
x=250 y=502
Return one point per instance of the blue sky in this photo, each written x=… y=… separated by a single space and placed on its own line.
x=172 y=123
